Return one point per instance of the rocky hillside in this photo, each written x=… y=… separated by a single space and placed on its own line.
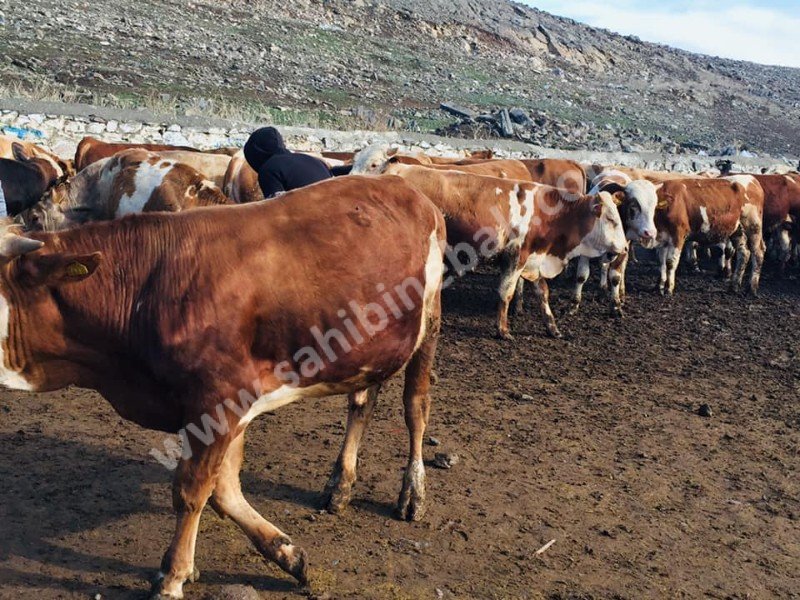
x=391 y=63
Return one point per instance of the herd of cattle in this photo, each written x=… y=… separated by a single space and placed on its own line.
x=176 y=318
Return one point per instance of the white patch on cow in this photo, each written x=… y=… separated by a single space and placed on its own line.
x=434 y=271
x=644 y=193
x=705 y=227
x=498 y=191
x=612 y=175
x=744 y=180
x=286 y=394
x=9 y=378
x=520 y=223
x=148 y=177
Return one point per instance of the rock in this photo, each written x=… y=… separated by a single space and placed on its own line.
x=506 y=126
x=519 y=116
x=705 y=411
x=445 y=460
x=457 y=110
x=432 y=441
x=234 y=592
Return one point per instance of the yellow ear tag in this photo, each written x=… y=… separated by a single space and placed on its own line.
x=77 y=269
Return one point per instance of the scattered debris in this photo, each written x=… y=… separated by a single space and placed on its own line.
x=545 y=548
x=705 y=411
x=445 y=460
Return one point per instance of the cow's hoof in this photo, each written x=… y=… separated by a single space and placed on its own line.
x=411 y=504
x=157 y=593
x=555 y=334
x=195 y=576
x=504 y=335
x=338 y=492
x=617 y=313
x=292 y=559
x=574 y=310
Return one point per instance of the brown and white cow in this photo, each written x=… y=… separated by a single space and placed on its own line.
x=535 y=228
x=713 y=212
x=188 y=323
x=129 y=182
x=637 y=202
x=90 y=150
x=240 y=183
x=25 y=179
x=212 y=166
x=781 y=213
x=63 y=168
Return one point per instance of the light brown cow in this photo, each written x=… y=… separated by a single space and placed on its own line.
x=240 y=183
x=504 y=169
x=129 y=182
x=63 y=168
x=712 y=212
x=561 y=173
x=535 y=228
x=188 y=323
x=212 y=166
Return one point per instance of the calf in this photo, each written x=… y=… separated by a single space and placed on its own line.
x=637 y=202
x=712 y=212
x=212 y=166
x=25 y=180
x=535 y=228
x=131 y=181
x=187 y=323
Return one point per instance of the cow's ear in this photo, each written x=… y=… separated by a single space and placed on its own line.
x=663 y=203
x=597 y=206
x=619 y=197
x=53 y=270
x=20 y=153
x=393 y=160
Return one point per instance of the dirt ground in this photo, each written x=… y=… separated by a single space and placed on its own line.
x=593 y=441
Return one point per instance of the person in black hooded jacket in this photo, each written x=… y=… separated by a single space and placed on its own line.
x=280 y=170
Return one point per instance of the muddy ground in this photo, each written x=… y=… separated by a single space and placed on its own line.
x=593 y=441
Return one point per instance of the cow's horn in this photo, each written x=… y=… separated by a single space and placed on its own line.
x=12 y=245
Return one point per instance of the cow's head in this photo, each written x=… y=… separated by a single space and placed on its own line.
x=30 y=320
x=607 y=235
x=371 y=160
x=63 y=169
x=637 y=206
x=54 y=212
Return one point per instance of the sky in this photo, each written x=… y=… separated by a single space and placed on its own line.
x=763 y=31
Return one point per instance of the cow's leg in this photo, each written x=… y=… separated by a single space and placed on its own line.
x=417 y=405
x=662 y=259
x=742 y=257
x=543 y=295
x=604 y=268
x=690 y=256
x=194 y=481
x=228 y=501
x=339 y=489
x=723 y=260
x=757 y=248
x=616 y=278
x=673 y=258
x=783 y=240
x=581 y=277
x=508 y=284
x=518 y=305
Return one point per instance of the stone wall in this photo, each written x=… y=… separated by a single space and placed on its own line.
x=61 y=126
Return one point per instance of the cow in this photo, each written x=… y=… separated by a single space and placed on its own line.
x=90 y=150
x=25 y=179
x=637 y=202
x=534 y=228
x=374 y=159
x=781 y=213
x=128 y=182
x=555 y=172
x=63 y=168
x=240 y=183
x=180 y=320
x=212 y=166
x=712 y=212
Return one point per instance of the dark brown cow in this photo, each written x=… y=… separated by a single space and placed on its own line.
x=198 y=322
x=90 y=150
x=712 y=212
x=25 y=180
x=129 y=182
x=781 y=212
x=536 y=228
